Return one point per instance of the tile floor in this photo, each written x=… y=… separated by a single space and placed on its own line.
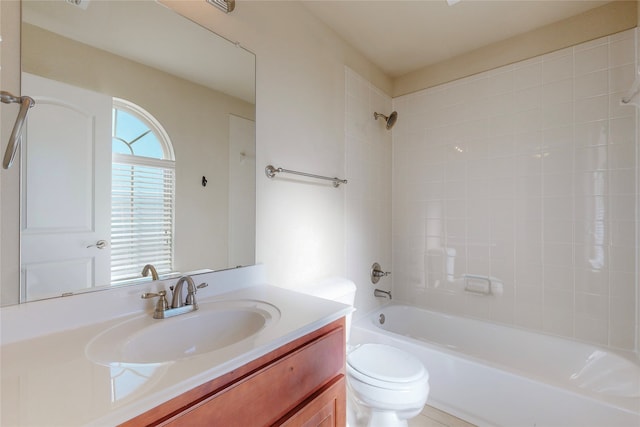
x=432 y=417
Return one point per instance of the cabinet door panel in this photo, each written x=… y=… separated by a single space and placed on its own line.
x=326 y=409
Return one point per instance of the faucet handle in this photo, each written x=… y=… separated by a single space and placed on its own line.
x=191 y=295
x=377 y=273
x=162 y=304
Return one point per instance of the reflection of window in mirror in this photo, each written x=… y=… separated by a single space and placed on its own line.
x=142 y=193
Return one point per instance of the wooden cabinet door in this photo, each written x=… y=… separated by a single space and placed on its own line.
x=326 y=409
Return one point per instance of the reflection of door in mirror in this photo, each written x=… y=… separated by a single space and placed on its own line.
x=66 y=175
x=242 y=183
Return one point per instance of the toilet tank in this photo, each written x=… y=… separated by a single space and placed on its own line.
x=336 y=289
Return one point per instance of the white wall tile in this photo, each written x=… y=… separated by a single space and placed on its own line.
x=591 y=158
x=622 y=130
x=558 y=92
x=621 y=78
x=503 y=187
x=533 y=178
x=591 y=109
x=558 y=68
x=592 y=281
x=592 y=133
x=559 y=276
x=592 y=84
x=590 y=60
x=499 y=83
x=621 y=52
x=622 y=156
x=558 y=232
x=557 y=161
x=560 y=184
x=592 y=183
x=528 y=187
x=529 y=164
x=529 y=208
x=528 y=75
x=623 y=233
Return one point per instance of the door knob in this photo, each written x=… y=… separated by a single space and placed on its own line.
x=100 y=244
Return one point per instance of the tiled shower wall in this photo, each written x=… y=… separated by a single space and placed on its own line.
x=368 y=194
x=525 y=175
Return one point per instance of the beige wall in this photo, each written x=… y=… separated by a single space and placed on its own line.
x=602 y=21
x=300 y=125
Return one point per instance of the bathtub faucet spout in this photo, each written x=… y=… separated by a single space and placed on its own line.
x=381 y=293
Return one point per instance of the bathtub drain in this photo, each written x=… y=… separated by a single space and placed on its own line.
x=381 y=319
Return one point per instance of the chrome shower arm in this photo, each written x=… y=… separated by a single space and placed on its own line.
x=14 y=140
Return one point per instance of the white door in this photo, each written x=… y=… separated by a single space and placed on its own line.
x=66 y=193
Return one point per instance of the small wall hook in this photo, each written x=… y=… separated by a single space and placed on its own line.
x=204 y=181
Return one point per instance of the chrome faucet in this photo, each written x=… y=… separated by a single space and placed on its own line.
x=176 y=301
x=150 y=268
x=163 y=310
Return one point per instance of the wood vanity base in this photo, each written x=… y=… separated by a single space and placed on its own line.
x=300 y=384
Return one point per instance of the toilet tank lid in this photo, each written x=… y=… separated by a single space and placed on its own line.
x=333 y=288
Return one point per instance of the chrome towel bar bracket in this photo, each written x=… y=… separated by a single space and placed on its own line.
x=14 y=140
x=272 y=171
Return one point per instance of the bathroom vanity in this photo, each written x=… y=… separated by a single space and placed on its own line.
x=289 y=371
x=300 y=383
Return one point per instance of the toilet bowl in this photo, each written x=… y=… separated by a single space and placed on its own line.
x=386 y=386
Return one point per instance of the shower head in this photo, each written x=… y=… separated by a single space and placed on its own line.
x=391 y=120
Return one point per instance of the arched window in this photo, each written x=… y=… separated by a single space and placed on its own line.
x=142 y=193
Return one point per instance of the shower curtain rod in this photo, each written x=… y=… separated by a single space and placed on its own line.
x=271 y=172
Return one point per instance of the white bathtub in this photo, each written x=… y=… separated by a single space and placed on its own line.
x=493 y=375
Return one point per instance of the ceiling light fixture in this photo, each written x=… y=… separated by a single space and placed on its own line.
x=224 y=5
x=452 y=2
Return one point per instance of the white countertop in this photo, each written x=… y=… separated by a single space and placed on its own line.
x=49 y=381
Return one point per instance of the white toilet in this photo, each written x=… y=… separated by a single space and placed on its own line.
x=386 y=386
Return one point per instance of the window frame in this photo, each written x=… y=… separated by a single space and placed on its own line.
x=133 y=160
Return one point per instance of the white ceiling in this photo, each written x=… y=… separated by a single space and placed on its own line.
x=401 y=36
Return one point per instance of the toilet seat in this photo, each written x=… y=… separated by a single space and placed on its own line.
x=386 y=367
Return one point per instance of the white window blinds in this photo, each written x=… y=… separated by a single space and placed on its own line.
x=142 y=212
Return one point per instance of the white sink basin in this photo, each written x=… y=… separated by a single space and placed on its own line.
x=214 y=326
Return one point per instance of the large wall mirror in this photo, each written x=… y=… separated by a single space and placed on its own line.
x=140 y=149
